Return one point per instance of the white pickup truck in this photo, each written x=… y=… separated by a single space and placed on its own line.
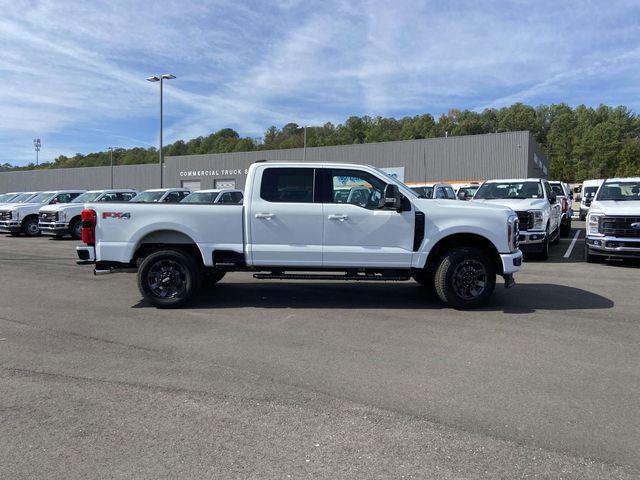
x=23 y=217
x=294 y=226
x=537 y=208
x=613 y=221
x=62 y=219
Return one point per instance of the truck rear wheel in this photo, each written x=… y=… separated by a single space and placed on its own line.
x=465 y=278
x=169 y=278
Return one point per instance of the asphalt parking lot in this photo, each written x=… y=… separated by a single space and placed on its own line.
x=264 y=379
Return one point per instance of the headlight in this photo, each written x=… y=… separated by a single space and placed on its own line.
x=15 y=214
x=62 y=215
x=538 y=220
x=593 y=224
x=513 y=232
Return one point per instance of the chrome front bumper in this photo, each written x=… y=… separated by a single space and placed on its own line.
x=531 y=237
x=614 y=246
x=53 y=227
x=10 y=225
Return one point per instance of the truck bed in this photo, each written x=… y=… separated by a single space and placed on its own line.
x=122 y=227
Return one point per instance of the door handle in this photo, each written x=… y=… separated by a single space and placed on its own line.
x=342 y=218
x=265 y=216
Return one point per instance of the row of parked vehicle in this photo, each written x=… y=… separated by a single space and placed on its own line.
x=543 y=207
x=58 y=212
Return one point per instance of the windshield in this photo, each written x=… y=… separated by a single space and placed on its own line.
x=22 y=198
x=620 y=191
x=557 y=189
x=423 y=192
x=469 y=190
x=87 y=197
x=42 y=198
x=6 y=197
x=509 y=190
x=589 y=191
x=200 y=197
x=148 y=197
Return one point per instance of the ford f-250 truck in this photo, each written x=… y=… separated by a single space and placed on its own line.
x=295 y=223
x=535 y=204
x=63 y=219
x=613 y=221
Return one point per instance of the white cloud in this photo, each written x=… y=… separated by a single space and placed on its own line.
x=73 y=72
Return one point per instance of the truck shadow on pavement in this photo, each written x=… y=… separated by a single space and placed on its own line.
x=523 y=298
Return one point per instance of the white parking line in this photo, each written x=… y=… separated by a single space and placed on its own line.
x=573 y=244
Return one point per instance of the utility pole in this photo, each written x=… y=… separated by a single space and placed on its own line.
x=160 y=78
x=304 y=145
x=111 y=149
x=36 y=145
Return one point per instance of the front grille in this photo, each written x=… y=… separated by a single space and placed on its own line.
x=620 y=227
x=525 y=219
x=6 y=215
x=49 y=217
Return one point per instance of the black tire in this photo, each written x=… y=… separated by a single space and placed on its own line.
x=565 y=229
x=590 y=258
x=212 y=277
x=169 y=278
x=465 y=278
x=31 y=228
x=75 y=229
x=544 y=254
x=583 y=217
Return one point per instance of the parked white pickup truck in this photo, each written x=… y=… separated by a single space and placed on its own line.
x=293 y=226
x=62 y=219
x=23 y=217
x=613 y=222
x=535 y=204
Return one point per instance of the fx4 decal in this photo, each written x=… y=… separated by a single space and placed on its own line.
x=117 y=215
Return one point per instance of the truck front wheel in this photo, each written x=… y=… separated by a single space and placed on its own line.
x=169 y=278
x=465 y=278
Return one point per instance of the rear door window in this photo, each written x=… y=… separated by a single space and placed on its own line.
x=287 y=185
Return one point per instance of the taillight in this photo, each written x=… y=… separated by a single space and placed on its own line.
x=89 y=227
x=565 y=205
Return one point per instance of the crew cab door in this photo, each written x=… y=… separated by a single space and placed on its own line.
x=556 y=208
x=285 y=225
x=359 y=232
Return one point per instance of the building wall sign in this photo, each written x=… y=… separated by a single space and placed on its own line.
x=225 y=172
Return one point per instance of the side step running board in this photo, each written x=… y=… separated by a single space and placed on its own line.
x=324 y=276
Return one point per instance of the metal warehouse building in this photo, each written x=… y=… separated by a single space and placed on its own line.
x=471 y=157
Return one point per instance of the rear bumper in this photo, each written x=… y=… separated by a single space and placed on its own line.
x=86 y=255
x=511 y=262
x=614 y=247
x=12 y=226
x=55 y=228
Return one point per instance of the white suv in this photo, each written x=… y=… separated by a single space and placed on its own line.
x=533 y=200
x=64 y=219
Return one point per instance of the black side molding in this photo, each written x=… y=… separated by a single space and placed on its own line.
x=418 y=231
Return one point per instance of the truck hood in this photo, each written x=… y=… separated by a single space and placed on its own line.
x=515 y=204
x=59 y=206
x=613 y=207
x=465 y=208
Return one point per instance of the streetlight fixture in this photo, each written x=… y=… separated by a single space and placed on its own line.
x=111 y=149
x=160 y=78
x=36 y=145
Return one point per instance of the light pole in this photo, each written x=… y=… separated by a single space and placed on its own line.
x=160 y=78
x=37 y=144
x=111 y=149
x=304 y=145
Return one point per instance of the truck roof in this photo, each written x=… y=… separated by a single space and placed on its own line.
x=623 y=179
x=513 y=180
x=167 y=189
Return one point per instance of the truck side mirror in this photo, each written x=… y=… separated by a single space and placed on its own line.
x=392 y=197
x=463 y=195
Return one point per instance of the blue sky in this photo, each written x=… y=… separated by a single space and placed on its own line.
x=73 y=73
